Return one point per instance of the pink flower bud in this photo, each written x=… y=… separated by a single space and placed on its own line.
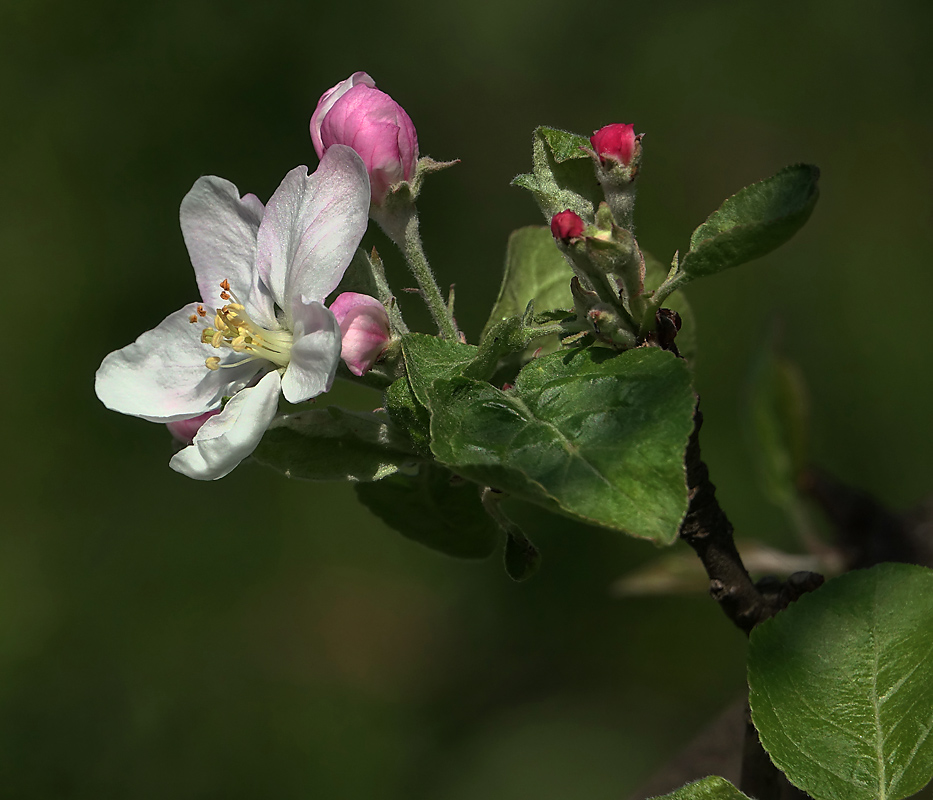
x=566 y=225
x=615 y=143
x=185 y=429
x=365 y=327
x=357 y=114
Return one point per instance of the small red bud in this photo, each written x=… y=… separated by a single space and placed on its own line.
x=566 y=225
x=615 y=142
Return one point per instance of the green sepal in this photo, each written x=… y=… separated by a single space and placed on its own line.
x=564 y=176
x=331 y=444
x=597 y=436
x=535 y=270
x=435 y=508
x=841 y=685
x=753 y=222
x=711 y=788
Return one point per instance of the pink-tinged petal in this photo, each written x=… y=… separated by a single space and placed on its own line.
x=184 y=430
x=226 y=439
x=315 y=353
x=162 y=376
x=327 y=101
x=364 y=328
x=220 y=229
x=378 y=128
x=312 y=226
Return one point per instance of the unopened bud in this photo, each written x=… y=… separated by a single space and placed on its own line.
x=356 y=113
x=364 y=325
x=615 y=142
x=566 y=226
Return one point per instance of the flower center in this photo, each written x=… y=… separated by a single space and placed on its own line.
x=234 y=329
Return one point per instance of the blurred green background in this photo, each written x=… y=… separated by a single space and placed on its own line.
x=260 y=638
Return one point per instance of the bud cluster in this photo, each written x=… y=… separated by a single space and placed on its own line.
x=609 y=268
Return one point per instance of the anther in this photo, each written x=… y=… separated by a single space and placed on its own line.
x=224 y=295
x=212 y=363
x=201 y=311
x=193 y=318
x=225 y=285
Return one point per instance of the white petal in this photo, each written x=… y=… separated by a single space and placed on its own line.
x=220 y=229
x=315 y=352
x=162 y=376
x=226 y=439
x=312 y=226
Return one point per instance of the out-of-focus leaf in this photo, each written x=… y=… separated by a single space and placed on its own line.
x=434 y=508
x=681 y=572
x=534 y=270
x=777 y=424
x=841 y=685
x=712 y=788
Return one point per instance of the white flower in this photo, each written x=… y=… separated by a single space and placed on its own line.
x=261 y=329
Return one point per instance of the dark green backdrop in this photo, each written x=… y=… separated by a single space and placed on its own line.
x=162 y=638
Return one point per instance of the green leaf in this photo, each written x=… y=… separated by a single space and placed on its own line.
x=753 y=222
x=428 y=358
x=777 y=424
x=712 y=788
x=434 y=508
x=564 y=175
x=841 y=685
x=408 y=415
x=596 y=435
x=566 y=146
x=534 y=270
x=331 y=444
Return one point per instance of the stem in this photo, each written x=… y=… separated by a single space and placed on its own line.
x=708 y=531
x=402 y=228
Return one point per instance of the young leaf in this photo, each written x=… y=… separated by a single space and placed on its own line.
x=428 y=358
x=331 y=444
x=434 y=508
x=595 y=435
x=753 y=222
x=534 y=270
x=564 y=176
x=712 y=788
x=841 y=685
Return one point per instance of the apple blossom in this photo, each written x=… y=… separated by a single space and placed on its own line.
x=364 y=325
x=261 y=329
x=356 y=113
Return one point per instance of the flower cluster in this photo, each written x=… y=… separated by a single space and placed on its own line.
x=214 y=371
